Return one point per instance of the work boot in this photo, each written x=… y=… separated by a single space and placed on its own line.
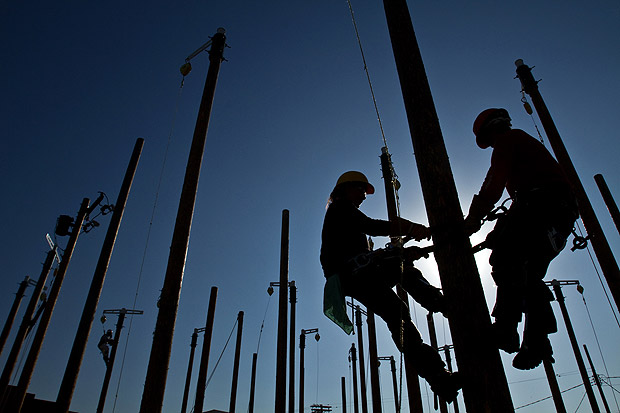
x=505 y=336
x=446 y=385
x=532 y=353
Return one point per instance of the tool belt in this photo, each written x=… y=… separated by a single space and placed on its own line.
x=361 y=261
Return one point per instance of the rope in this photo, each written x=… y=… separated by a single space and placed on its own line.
x=599 y=276
x=528 y=109
x=148 y=236
x=372 y=92
x=597 y=343
x=221 y=354
x=262 y=325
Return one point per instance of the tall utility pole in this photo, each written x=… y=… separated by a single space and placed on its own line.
x=603 y=252
x=25 y=325
x=343 y=390
x=291 y=346
x=432 y=332
x=188 y=377
x=302 y=346
x=597 y=381
x=373 y=361
x=360 y=344
x=37 y=341
x=609 y=199
x=394 y=382
x=206 y=350
x=252 y=383
x=110 y=364
x=235 y=376
x=353 y=361
x=157 y=371
x=67 y=386
x=556 y=394
x=13 y=312
x=389 y=181
x=557 y=289
x=280 y=401
x=486 y=387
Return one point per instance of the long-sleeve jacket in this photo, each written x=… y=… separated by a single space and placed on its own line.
x=519 y=163
x=344 y=234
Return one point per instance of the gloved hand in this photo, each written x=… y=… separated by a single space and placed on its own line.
x=418 y=232
x=472 y=225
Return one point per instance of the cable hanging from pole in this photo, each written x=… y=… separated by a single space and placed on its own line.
x=148 y=235
x=372 y=92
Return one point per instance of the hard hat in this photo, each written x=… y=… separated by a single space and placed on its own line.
x=485 y=118
x=354 y=176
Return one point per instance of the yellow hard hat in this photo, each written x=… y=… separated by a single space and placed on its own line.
x=355 y=176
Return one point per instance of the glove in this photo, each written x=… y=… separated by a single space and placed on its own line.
x=401 y=226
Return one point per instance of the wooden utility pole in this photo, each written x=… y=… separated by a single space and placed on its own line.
x=235 y=376
x=394 y=382
x=67 y=386
x=609 y=199
x=291 y=347
x=25 y=326
x=360 y=344
x=432 y=332
x=188 y=377
x=597 y=381
x=252 y=383
x=603 y=252
x=206 y=350
x=389 y=181
x=157 y=371
x=373 y=360
x=353 y=360
x=302 y=367
x=13 y=312
x=37 y=341
x=280 y=401
x=110 y=364
x=343 y=390
x=556 y=394
x=486 y=387
x=559 y=297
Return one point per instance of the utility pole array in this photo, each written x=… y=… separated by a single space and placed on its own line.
x=13 y=312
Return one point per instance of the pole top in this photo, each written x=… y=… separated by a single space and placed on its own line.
x=221 y=30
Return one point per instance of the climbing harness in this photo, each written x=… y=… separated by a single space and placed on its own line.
x=390 y=251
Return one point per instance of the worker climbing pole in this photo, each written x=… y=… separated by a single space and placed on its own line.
x=601 y=247
x=485 y=386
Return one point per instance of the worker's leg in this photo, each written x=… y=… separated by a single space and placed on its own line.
x=427 y=295
x=378 y=297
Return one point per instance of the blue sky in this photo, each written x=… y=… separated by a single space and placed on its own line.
x=292 y=111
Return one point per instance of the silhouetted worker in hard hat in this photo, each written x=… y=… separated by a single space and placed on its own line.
x=526 y=238
x=349 y=272
x=105 y=342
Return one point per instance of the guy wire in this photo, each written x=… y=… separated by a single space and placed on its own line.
x=148 y=235
x=372 y=92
